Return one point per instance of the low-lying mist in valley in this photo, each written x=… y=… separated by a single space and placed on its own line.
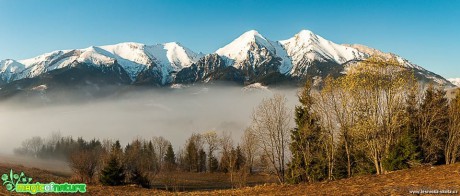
x=141 y=113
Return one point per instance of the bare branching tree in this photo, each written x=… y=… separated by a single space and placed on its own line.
x=227 y=161
x=271 y=125
x=33 y=145
x=378 y=89
x=250 y=148
x=212 y=142
x=160 y=145
x=85 y=163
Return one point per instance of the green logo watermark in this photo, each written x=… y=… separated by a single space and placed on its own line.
x=20 y=183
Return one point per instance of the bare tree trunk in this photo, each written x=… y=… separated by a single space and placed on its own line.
x=347 y=151
x=376 y=164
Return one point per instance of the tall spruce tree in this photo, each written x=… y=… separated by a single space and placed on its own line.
x=170 y=158
x=113 y=173
x=240 y=159
x=308 y=156
x=214 y=164
x=201 y=161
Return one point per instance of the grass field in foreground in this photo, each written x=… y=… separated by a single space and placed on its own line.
x=427 y=178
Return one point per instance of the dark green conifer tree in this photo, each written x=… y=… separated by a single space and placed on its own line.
x=170 y=159
x=308 y=156
x=201 y=161
x=214 y=164
x=240 y=159
x=113 y=173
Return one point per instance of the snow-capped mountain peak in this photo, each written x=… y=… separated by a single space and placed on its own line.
x=251 y=34
x=180 y=56
x=251 y=48
x=307 y=46
x=306 y=35
x=238 y=48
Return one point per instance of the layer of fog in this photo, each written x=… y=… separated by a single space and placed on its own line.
x=53 y=165
x=173 y=114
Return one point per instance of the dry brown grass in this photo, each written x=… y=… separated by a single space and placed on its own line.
x=395 y=183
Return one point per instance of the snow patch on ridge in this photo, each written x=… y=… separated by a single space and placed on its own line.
x=8 y=68
x=455 y=81
x=255 y=87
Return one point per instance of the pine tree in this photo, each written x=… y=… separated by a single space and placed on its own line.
x=170 y=158
x=214 y=164
x=201 y=161
x=401 y=154
x=308 y=156
x=191 y=155
x=240 y=159
x=113 y=173
x=138 y=177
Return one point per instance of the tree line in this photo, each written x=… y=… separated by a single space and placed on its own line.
x=375 y=119
x=140 y=161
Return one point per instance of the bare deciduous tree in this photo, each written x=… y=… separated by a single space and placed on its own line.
x=160 y=145
x=212 y=142
x=227 y=162
x=378 y=89
x=193 y=156
x=84 y=164
x=434 y=121
x=271 y=125
x=250 y=148
x=32 y=146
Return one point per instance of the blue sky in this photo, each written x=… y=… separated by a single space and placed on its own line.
x=426 y=32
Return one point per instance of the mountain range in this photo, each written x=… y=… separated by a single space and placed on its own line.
x=250 y=58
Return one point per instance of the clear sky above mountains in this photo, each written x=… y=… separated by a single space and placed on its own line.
x=425 y=32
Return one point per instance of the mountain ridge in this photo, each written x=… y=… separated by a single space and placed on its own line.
x=250 y=58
